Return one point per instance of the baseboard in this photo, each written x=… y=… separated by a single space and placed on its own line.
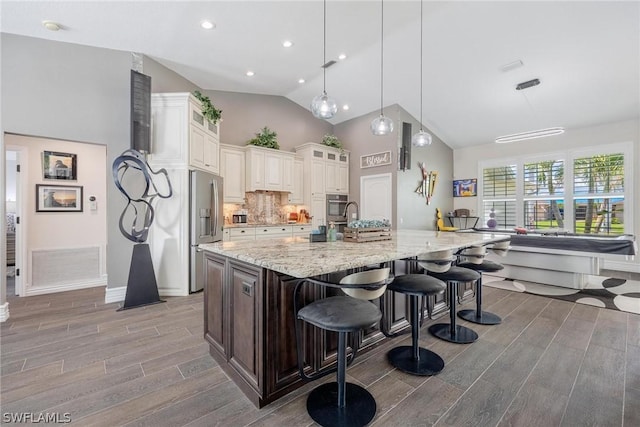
x=631 y=267
x=4 y=312
x=31 y=291
x=112 y=295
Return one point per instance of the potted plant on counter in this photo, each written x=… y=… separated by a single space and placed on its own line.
x=265 y=138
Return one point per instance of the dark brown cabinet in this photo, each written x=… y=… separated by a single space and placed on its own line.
x=249 y=325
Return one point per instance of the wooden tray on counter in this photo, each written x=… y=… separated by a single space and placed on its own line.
x=363 y=235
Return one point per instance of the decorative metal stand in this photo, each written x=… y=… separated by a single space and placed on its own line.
x=142 y=288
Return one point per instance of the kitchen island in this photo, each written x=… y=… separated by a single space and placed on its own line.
x=248 y=316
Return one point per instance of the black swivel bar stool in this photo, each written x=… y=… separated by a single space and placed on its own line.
x=452 y=332
x=340 y=403
x=477 y=315
x=414 y=359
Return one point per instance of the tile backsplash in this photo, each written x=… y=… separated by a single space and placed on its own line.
x=263 y=208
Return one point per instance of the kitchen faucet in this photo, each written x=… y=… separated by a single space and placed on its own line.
x=346 y=208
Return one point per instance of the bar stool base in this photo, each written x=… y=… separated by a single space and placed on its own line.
x=359 y=410
x=462 y=335
x=485 y=317
x=429 y=363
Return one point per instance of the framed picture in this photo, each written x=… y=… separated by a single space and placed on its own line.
x=58 y=198
x=59 y=166
x=465 y=187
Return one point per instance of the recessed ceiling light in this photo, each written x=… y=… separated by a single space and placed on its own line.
x=208 y=25
x=250 y=73
x=300 y=81
x=51 y=26
x=345 y=107
x=287 y=43
x=342 y=56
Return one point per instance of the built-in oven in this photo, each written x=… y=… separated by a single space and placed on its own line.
x=336 y=204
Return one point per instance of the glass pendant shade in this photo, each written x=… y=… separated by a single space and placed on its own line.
x=421 y=139
x=382 y=125
x=324 y=107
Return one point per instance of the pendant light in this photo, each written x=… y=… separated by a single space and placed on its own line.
x=422 y=138
x=381 y=125
x=322 y=106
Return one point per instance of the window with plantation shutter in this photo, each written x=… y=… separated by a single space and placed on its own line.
x=543 y=198
x=599 y=194
x=584 y=191
x=499 y=196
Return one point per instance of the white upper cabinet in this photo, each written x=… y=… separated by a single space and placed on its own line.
x=326 y=171
x=181 y=135
x=232 y=166
x=268 y=169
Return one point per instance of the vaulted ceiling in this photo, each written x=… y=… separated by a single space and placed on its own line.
x=586 y=54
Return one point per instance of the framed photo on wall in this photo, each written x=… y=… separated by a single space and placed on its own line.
x=58 y=198
x=465 y=187
x=59 y=166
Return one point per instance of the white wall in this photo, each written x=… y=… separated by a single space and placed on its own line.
x=63 y=230
x=466 y=160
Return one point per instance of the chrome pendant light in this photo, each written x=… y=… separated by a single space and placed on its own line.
x=422 y=138
x=381 y=125
x=323 y=106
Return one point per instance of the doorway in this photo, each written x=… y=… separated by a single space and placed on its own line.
x=376 y=197
x=13 y=209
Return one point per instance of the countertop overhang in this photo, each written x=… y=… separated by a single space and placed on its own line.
x=297 y=257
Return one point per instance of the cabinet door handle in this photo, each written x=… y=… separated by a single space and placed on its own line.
x=247 y=288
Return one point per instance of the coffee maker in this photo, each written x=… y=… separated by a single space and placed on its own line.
x=239 y=217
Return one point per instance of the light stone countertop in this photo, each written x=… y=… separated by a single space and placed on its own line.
x=297 y=257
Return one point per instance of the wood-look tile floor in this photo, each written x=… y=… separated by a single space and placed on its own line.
x=550 y=363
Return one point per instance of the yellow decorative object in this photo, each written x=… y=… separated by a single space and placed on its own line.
x=440 y=222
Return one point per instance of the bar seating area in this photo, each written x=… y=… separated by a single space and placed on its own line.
x=341 y=403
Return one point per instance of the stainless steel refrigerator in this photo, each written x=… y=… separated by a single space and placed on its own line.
x=205 y=223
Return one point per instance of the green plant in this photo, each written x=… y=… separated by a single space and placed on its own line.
x=265 y=138
x=332 y=141
x=209 y=112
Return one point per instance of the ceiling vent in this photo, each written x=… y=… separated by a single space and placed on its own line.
x=528 y=84
x=329 y=64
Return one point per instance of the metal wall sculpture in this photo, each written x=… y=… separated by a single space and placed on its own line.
x=141 y=185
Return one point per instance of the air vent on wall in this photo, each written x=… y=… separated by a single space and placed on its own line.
x=528 y=84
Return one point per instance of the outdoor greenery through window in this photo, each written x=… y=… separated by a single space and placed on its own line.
x=544 y=194
x=598 y=200
x=583 y=194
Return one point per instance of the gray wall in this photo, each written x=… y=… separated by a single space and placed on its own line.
x=80 y=93
x=409 y=209
x=76 y=93
x=245 y=114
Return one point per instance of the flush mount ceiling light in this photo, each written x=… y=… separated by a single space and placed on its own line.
x=342 y=56
x=250 y=73
x=541 y=133
x=51 y=26
x=300 y=81
x=422 y=138
x=381 y=125
x=287 y=43
x=207 y=25
x=322 y=106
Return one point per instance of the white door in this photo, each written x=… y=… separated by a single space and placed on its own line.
x=18 y=154
x=376 y=197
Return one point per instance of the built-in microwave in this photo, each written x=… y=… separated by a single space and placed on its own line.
x=336 y=204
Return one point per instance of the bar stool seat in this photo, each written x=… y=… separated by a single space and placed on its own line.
x=452 y=332
x=340 y=403
x=414 y=359
x=477 y=315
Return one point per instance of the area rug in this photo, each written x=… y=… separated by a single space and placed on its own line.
x=604 y=292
